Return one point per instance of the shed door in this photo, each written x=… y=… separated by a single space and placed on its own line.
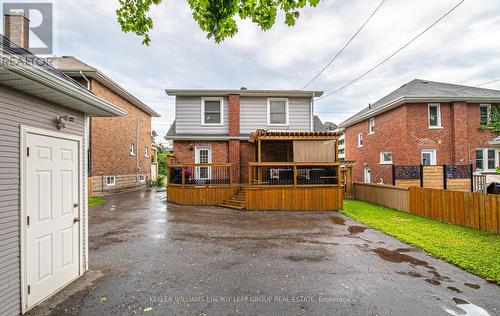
x=52 y=197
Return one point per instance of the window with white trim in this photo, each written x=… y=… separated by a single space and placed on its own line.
x=146 y=152
x=131 y=150
x=212 y=111
x=429 y=157
x=484 y=113
x=371 y=129
x=386 y=157
x=110 y=180
x=486 y=159
x=142 y=178
x=434 y=115
x=277 y=111
x=360 y=139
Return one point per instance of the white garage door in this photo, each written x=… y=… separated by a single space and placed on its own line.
x=52 y=245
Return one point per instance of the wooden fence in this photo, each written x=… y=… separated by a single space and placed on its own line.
x=470 y=209
x=386 y=195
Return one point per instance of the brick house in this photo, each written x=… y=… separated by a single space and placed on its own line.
x=214 y=126
x=120 y=148
x=422 y=122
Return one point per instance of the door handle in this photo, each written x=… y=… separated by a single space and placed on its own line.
x=76 y=220
x=76 y=204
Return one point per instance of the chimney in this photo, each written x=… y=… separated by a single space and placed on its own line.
x=16 y=28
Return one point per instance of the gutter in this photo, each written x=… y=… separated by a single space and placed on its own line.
x=200 y=137
x=59 y=85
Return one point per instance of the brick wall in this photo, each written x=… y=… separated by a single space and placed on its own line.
x=404 y=131
x=183 y=153
x=111 y=138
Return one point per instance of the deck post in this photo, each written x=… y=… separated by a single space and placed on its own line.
x=259 y=151
x=294 y=174
x=250 y=175
x=231 y=174
x=183 y=172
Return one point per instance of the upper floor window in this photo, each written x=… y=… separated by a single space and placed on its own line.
x=341 y=141
x=485 y=110
x=434 y=115
x=277 y=112
x=131 y=150
x=372 y=126
x=146 y=152
x=360 y=139
x=212 y=111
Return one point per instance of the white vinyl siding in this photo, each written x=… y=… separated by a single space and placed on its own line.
x=253 y=115
x=18 y=108
x=188 y=116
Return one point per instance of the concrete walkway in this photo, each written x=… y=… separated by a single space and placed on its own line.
x=148 y=256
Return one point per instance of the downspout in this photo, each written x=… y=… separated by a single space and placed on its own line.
x=86 y=79
x=137 y=147
x=312 y=113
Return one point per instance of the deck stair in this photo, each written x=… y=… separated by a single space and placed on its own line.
x=237 y=201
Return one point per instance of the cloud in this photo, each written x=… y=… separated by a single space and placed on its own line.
x=464 y=48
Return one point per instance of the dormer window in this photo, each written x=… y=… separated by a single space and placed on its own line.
x=212 y=111
x=277 y=112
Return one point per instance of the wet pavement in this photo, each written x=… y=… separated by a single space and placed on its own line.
x=149 y=256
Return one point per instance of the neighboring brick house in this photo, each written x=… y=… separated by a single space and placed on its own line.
x=423 y=122
x=120 y=148
x=213 y=126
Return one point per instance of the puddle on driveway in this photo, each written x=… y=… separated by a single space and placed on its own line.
x=472 y=285
x=410 y=273
x=306 y=258
x=454 y=289
x=337 y=220
x=396 y=257
x=353 y=230
x=468 y=308
x=433 y=281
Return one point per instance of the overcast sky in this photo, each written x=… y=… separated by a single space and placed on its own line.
x=464 y=48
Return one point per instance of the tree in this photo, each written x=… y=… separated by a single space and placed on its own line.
x=494 y=123
x=215 y=17
x=330 y=126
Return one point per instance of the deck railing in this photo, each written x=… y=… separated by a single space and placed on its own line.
x=293 y=174
x=199 y=174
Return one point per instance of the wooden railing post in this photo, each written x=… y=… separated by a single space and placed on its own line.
x=294 y=174
x=231 y=174
x=445 y=177
x=183 y=172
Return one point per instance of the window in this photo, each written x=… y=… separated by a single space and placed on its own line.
x=434 y=116
x=212 y=111
x=341 y=151
x=110 y=180
x=372 y=126
x=360 y=139
x=484 y=112
x=131 y=150
x=486 y=159
x=277 y=112
x=429 y=157
x=146 y=152
x=341 y=141
x=142 y=178
x=367 y=174
x=385 y=158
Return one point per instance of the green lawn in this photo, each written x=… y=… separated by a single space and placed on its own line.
x=472 y=250
x=96 y=200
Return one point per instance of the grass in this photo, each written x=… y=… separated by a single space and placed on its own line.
x=472 y=250
x=96 y=200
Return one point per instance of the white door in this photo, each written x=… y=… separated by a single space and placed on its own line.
x=52 y=251
x=203 y=155
x=429 y=157
x=368 y=175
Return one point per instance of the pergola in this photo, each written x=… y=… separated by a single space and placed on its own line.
x=315 y=146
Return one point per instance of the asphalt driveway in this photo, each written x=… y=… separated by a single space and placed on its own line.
x=148 y=256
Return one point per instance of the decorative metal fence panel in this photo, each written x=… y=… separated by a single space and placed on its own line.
x=452 y=177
